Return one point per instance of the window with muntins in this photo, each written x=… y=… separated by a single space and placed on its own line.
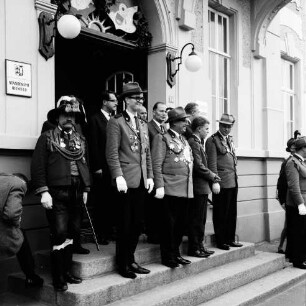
x=219 y=61
x=288 y=96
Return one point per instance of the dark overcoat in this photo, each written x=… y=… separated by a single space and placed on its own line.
x=12 y=191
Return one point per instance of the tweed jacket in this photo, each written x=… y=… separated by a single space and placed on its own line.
x=221 y=159
x=49 y=168
x=153 y=130
x=128 y=150
x=172 y=165
x=97 y=143
x=296 y=179
x=201 y=174
x=12 y=191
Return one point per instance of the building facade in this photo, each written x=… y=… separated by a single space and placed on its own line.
x=253 y=67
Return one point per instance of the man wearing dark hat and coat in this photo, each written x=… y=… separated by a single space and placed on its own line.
x=295 y=205
x=60 y=176
x=172 y=166
x=129 y=160
x=222 y=161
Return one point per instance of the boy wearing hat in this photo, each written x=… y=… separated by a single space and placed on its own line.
x=222 y=161
x=295 y=205
x=60 y=176
x=172 y=166
x=129 y=160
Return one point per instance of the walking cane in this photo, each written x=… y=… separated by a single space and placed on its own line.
x=91 y=226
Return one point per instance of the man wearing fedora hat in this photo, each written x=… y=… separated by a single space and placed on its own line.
x=295 y=205
x=129 y=160
x=172 y=166
x=222 y=161
x=60 y=176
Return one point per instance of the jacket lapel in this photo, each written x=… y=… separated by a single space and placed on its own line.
x=128 y=122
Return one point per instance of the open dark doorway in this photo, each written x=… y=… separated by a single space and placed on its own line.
x=83 y=66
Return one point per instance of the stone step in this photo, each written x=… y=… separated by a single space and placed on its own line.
x=261 y=289
x=207 y=285
x=103 y=261
x=111 y=287
x=11 y=299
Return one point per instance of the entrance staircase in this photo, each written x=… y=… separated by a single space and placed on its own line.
x=241 y=276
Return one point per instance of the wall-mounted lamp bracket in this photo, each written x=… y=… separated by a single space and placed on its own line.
x=170 y=59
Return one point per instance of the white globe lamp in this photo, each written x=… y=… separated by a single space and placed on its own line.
x=193 y=62
x=69 y=26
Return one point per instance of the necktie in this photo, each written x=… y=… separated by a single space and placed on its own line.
x=136 y=124
x=162 y=129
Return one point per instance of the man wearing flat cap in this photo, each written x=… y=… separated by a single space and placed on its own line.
x=222 y=161
x=295 y=205
x=60 y=177
x=129 y=160
x=172 y=166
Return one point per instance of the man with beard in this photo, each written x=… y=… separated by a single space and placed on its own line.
x=129 y=160
x=102 y=188
x=60 y=176
x=172 y=166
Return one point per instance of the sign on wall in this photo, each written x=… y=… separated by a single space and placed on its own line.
x=18 y=78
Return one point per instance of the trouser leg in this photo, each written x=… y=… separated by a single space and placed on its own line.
x=231 y=215
x=130 y=220
x=196 y=222
x=25 y=258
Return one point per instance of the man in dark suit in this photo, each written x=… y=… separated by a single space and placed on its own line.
x=192 y=110
x=222 y=160
x=202 y=176
x=102 y=189
x=129 y=160
x=172 y=166
x=152 y=212
x=295 y=205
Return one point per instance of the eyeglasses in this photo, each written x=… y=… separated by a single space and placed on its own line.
x=112 y=100
x=139 y=100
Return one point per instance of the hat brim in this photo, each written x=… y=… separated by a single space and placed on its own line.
x=177 y=118
x=53 y=114
x=224 y=122
x=126 y=94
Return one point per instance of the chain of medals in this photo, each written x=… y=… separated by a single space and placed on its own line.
x=75 y=150
x=181 y=147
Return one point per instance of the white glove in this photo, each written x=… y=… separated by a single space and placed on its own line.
x=121 y=184
x=85 y=196
x=216 y=188
x=302 y=209
x=160 y=193
x=150 y=185
x=46 y=200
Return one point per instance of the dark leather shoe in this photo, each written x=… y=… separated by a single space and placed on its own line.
x=235 y=244
x=170 y=263
x=127 y=273
x=136 y=268
x=206 y=251
x=198 y=253
x=300 y=265
x=182 y=261
x=34 y=281
x=223 y=247
x=71 y=279
x=80 y=250
x=60 y=286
